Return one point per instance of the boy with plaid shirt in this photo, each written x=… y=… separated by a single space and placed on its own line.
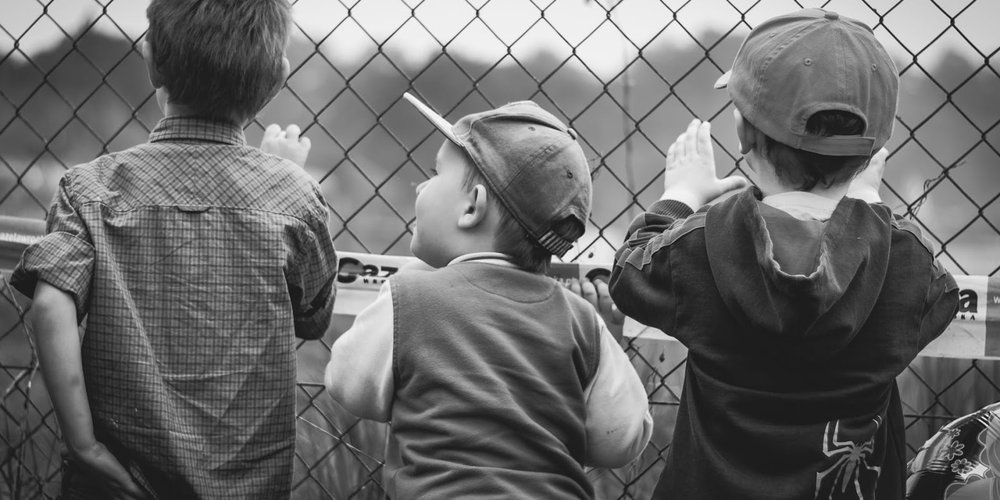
x=193 y=258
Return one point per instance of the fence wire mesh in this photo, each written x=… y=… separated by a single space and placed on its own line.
x=627 y=75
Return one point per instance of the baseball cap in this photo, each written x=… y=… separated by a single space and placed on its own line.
x=530 y=160
x=792 y=66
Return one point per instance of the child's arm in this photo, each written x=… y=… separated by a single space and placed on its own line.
x=286 y=143
x=359 y=374
x=641 y=279
x=53 y=318
x=941 y=304
x=942 y=292
x=618 y=420
x=311 y=279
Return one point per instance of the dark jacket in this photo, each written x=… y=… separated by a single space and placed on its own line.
x=796 y=331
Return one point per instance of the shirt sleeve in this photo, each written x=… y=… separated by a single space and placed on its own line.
x=641 y=281
x=63 y=258
x=311 y=280
x=619 y=424
x=359 y=374
x=941 y=304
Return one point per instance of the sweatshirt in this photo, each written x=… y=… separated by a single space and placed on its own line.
x=796 y=329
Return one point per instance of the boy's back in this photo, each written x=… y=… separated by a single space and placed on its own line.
x=800 y=299
x=790 y=373
x=194 y=258
x=498 y=382
x=491 y=363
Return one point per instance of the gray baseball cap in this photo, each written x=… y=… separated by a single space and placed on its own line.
x=531 y=161
x=792 y=66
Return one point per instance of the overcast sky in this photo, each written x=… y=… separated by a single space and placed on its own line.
x=915 y=23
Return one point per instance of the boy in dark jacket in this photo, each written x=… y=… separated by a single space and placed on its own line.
x=800 y=299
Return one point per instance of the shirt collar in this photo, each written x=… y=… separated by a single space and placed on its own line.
x=803 y=205
x=191 y=129
x=497 y=258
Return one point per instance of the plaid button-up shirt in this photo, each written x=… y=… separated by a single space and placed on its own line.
x=194 y=258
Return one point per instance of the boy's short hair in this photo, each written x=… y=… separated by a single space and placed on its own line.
x=510 y=237
x=533 y=166
x=804 y=169
x=222 y=58
x=799 y=79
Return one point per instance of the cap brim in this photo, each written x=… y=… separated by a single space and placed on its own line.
x=437 y=120
x=723 y=80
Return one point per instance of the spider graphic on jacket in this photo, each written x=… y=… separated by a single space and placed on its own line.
x=849 y=470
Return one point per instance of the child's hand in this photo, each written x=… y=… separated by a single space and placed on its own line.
x=690 y=173
x=97 y=460
x=865 y=185
x=286 y=143
x=596 y=292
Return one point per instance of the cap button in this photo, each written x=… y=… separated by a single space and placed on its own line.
x=833 y=16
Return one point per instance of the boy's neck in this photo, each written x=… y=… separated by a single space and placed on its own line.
x=472 y=245
x=175 y=110
x=833 y=193
x=770 y=184
x=465 y=243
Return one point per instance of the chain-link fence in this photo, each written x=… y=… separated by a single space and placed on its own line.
x=627 y=75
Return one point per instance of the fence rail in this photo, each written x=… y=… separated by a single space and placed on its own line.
x=627 y=76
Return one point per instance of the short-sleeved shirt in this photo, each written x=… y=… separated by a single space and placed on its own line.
x=193 y=259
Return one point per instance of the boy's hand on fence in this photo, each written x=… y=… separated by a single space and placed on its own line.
x=865 y=185
x=596 y=292
x=99 y=461
x=689 y=176
x=286 y=143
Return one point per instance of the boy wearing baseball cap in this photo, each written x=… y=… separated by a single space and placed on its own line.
x=800 y=299
x=499 y=382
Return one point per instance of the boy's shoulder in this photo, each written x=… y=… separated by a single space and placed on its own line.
x=251 y=177
x=911 y=230
x=287 y=187
x=418 y=293
x=858 y=213
x=87 y=181
x=428 y=282
x=453 y=283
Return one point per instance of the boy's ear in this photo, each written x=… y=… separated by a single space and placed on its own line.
x=147 y=55
x=286 y=69
x=745 y=132
x=476 y=208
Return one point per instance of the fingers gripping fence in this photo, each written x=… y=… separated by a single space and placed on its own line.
x=627 y=76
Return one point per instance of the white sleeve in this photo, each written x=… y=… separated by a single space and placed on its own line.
x=359 y=374
x=618 y=420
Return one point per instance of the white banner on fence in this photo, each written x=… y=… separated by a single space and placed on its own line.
x=974 y=333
